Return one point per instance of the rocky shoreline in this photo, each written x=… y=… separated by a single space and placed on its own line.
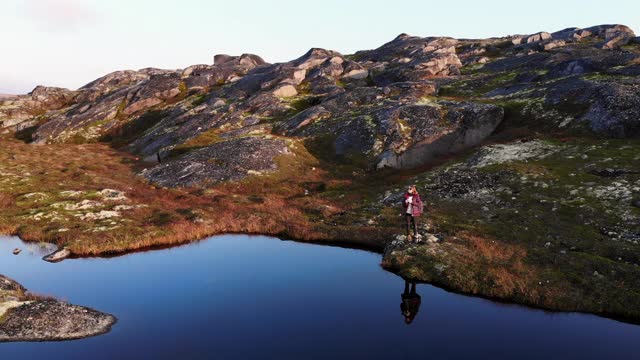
x=25 y=317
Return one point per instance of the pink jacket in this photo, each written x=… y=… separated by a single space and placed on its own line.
x=417 y=206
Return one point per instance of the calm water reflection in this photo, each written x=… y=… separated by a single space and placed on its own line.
x=242 y=297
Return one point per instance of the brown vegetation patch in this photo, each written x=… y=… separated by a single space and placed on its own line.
x=502 y=267
x=51 y=179
x=6 y=200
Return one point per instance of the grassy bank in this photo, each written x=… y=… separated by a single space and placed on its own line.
x=89 y=199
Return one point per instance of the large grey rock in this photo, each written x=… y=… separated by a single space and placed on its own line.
x=227 y=160
x=222 y=58
x=58 y=255
x=113 y=81
x=553 y=44
x=285 y=91
x=610 y=108
x=88 y=118
x=17 y=109
x=357 y=138
x=315 y=57
x=45 y=319
x=615 y=109
x=614 y=35
x=419 y=134
x=530 y=39
x=303 y=119
x=410 y=58
x=102 y=105
x=537 y=37
x=249 y=60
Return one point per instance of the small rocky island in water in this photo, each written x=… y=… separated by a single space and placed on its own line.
x=27 y=317
x=525 y=148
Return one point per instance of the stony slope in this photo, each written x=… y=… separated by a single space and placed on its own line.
x=381 y=105
x=320 y=134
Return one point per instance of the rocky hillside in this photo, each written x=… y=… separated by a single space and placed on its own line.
x=525 y=146
x=401 y=105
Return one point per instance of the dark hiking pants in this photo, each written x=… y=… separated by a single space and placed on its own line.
x=411 y=220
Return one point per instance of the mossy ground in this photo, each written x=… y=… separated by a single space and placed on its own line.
x=557 y=236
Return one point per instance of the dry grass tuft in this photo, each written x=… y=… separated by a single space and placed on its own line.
x=6 y=200
x=498 y=266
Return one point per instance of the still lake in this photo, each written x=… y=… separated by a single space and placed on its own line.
x=256 y=297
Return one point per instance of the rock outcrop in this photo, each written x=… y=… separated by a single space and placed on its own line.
x=15 y=110
x=421 y=134
x=57 y=256
x=25 y=317
x=401 y=105
x=227 y=160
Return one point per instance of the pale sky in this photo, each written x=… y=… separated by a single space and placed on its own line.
x=69 y=43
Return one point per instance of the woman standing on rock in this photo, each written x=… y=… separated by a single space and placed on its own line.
x=413 y=208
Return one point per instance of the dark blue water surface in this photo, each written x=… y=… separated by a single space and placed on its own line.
x=254 y=297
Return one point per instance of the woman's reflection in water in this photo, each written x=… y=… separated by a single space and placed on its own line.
x=410 y=302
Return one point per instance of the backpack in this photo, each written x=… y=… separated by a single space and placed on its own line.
x=418 y=206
